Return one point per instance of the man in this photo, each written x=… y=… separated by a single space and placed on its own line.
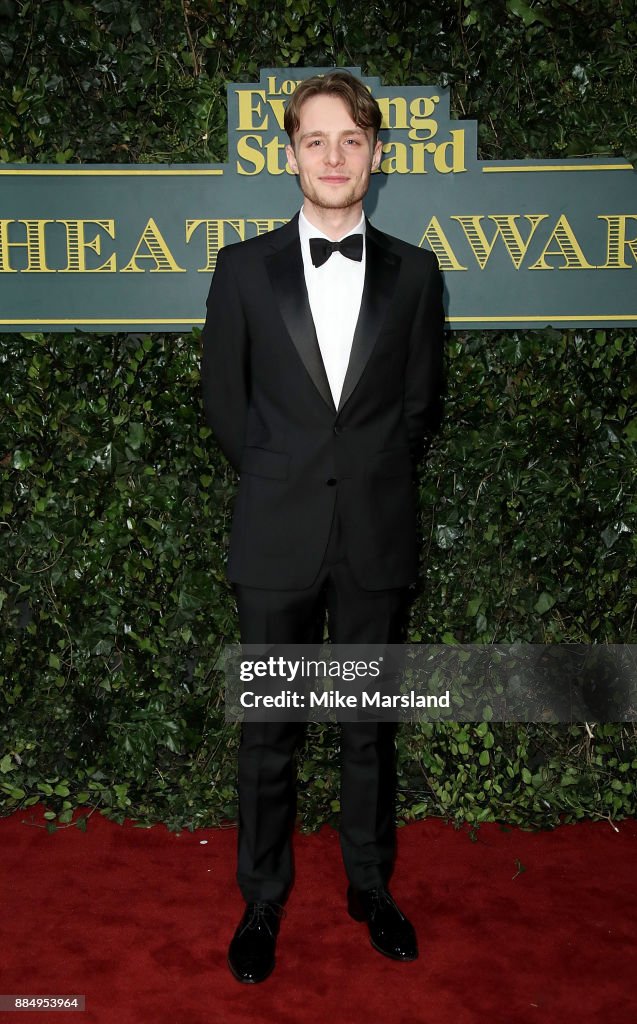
x=321 y=371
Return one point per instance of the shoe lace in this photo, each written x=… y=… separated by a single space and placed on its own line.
x=261 y=914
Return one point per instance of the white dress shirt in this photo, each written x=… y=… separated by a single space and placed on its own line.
x=335 y=291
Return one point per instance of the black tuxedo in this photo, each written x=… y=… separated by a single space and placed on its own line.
x=325 y=514
x=268 y=402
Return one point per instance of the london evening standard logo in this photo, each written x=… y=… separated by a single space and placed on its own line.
x=504 y=232
x=425 y=144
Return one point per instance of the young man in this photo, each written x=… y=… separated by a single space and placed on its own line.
x=321 y=370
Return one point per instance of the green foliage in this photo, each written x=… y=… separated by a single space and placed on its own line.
x=121 y=81
x=116 y=503
x=529 y=500
x=116 y=514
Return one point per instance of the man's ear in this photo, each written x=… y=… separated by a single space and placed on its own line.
x=377 y=154
x=289 y=152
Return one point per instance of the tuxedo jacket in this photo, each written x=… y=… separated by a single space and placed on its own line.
x=267 y=399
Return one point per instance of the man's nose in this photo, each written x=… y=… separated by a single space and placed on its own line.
x=333 y=154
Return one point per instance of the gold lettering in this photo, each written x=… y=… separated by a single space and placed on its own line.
x=506 y=227
x=568 y=247
x=158 y=251
x=273 y=149
x=456 y=146
x=253 y=156
x=397 y=105
x=617 y=243
x=448 y=157
x=35 y=246
x=439 y=243
x=397 y=163
x=417 y=116
x=420 y=120
x=215 y=238
x=248 y=109
x=278 y=109
x=286 y=88
x=77 y=244
x=418 y=150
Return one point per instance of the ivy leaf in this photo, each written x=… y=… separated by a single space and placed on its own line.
x=135 y=436
x=526 y=13
x=613 y=532
x=544 y=602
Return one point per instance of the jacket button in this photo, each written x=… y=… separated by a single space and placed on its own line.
x=338 y=430
x=331 y=482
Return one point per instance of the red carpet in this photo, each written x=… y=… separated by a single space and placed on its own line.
x=517 y=927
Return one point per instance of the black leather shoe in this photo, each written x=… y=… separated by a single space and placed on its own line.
x=389 y=930
x=251 y=954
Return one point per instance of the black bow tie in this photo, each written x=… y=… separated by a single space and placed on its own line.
x=321 y=249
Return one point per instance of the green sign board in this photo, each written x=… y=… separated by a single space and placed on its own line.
x=522 y=243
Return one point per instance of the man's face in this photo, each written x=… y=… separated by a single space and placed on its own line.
x=332 y=156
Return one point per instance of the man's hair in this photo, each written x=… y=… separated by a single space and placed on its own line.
x=362 y=106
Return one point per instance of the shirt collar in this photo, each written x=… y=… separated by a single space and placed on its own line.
x=307 y=230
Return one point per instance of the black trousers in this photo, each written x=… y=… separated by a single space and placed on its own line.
x=266 y=775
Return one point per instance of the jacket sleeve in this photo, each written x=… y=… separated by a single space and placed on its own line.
x=224 y=362
x=424 y=371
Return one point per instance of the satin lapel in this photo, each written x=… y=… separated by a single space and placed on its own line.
x=381 y=271
x=285 y=268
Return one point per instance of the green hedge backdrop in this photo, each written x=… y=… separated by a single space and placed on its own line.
x=116 y=503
